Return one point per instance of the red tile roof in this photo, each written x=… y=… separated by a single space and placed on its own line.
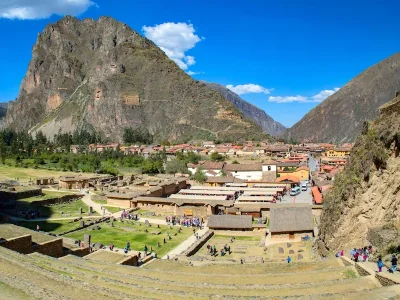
x=316 y=195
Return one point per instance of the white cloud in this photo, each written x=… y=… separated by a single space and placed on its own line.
x=194 y=73
x=321 y=96
x=175 y=39
x=286 y=99
x=41 y=9
x=248 y=88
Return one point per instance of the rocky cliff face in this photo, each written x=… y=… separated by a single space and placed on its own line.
x=364 y=205
x=340 y=117
x=269 y=125
x=101 y=75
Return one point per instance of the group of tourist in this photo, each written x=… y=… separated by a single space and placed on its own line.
x=364 y=254
x=184 y=221
x=360 y=254
x=213 y=250
x=129 y=216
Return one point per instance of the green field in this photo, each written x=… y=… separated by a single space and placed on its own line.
x=51 y=226
x=26 y=174
x=65 y=210
x=112 y=209
x=45 y=195
x=136 y=235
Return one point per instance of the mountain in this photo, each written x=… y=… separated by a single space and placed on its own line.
x=3 y=109
x=269 y=125
x=103 y=76
x=363 y=207
x=340 y=117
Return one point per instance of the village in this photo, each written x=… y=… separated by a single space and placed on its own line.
x=270 y=194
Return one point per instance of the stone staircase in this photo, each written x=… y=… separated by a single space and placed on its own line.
x=71 y=277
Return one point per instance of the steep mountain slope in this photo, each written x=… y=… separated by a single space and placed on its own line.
x=340 y=117
x=364 y=205
x=259 y=116
x=101 y=75
x=3 y=109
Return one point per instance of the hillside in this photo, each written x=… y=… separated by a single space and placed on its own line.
x=269 y=125
x=101 y=75
x=363 y=206
x=340 y=117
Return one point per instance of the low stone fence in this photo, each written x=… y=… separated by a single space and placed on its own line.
x=129 y=261
x=363 y=271
x=56 y=200
x=52 y=248
x=198 y=244
x=16 y=195
x=347 y=261
x=387 y=279
x=81 y=252
x=22 y=244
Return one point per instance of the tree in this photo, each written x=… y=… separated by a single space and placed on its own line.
x=235 y=162
x=223 y=173
x=215 y=156
x=199 y=175
x=175 y=166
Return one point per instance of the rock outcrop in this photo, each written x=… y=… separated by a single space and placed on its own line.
x=340 y=117
x=101 y=75
x=268 y=124
x=364 y=205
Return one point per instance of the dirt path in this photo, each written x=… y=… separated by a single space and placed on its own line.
x=185 y=244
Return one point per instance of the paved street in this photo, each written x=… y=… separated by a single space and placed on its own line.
x=303 y=197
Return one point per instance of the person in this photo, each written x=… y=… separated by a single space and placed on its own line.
x=394 y=263
x=288 y=259
x=128 y=246
x=352 y=252
x=37 y=228
x=380 y=264
x=342 y=253
x=145 y=249
x=356 y=255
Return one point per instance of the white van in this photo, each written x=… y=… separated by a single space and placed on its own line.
x=295 y=191
x=304 y=187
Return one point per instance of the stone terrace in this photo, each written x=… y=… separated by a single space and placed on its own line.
x=45 y=277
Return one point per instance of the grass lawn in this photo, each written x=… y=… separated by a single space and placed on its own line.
x=45 y=195
x=25 y=174
x=158 y=215
x=51 y=226
x=238 y=238
x=122 y=233
x=99 y=201
x=113 y=209
x=65 y=210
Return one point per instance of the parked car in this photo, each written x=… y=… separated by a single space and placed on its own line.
x=295 y=191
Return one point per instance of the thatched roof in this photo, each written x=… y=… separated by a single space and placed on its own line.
x=291 y=219
x=230 y=222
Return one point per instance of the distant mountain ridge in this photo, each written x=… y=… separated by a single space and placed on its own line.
x=340 y=117
x=100 y=75
x=260 y=117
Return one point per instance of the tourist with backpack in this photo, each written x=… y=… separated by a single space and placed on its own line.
x=394 y=263
x=380 y=264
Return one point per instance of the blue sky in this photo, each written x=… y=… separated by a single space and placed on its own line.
x=283 y=56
